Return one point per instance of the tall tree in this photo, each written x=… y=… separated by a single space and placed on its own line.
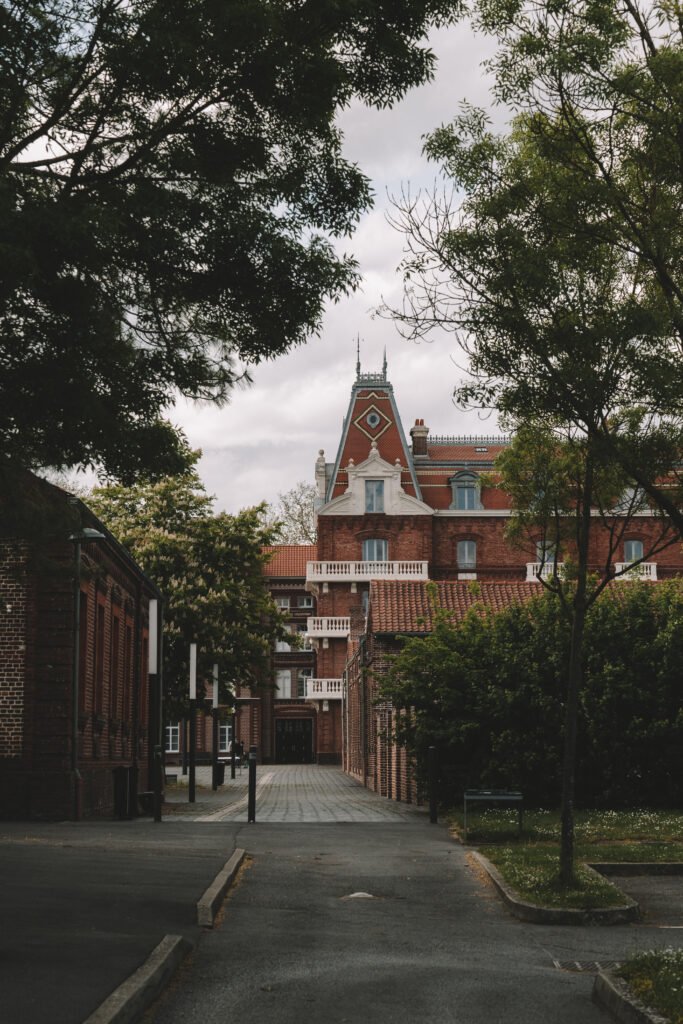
x=601 y=85
x=209 y=568
x=171 y=177
x=557 y=332
x=565 y=489
x=294 y=514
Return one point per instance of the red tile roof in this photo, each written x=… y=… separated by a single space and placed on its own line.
x=464 y=452
x=403 y=606
x=289 y=559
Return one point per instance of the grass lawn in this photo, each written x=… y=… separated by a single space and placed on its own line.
x=529 y=863
x=656 y=978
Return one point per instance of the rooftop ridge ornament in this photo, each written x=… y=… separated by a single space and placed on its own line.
x=370 y=378
x=502 y=439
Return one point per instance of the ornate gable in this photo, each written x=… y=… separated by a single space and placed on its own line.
x=396 y=501
x=372 y=417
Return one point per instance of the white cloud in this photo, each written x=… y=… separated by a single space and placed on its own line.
x=268 y=437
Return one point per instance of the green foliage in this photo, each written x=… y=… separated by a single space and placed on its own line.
x=208 y=567
x=171 y=182
x=531 y=871
x=490 y=692
x=656 y=978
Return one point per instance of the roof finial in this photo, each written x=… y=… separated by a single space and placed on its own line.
x=384 y=364
x=358 y=357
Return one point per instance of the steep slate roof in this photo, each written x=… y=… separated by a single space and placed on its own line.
x=403 y=606
x=289 y=560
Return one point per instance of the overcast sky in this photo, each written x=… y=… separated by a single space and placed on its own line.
x=268 y=437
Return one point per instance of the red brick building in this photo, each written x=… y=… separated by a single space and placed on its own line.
x=74 y=655
x=393 y=515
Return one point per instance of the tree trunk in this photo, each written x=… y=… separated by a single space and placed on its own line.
x=571 y=715
x=574 y=679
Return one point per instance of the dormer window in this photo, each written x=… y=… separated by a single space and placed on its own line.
x=466 y=492
x=374 y=495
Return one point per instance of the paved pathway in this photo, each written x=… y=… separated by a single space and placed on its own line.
x=353 y=908
x=287 y=793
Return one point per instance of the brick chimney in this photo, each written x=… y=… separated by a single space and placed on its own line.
x=419 y=434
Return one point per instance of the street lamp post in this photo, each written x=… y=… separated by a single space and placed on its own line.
x=193 y=721
x=214 y=733
x=77 y=539
x=154 y=670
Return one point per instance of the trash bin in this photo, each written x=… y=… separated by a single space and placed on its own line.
x=220 y=773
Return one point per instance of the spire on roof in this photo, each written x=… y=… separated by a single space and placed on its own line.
x=357 y=356
x=384 y=364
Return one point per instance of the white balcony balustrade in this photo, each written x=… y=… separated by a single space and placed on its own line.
x=332 y=625
x=355 y=572
x=544 y=569
x=324 y=689
x=644 y=571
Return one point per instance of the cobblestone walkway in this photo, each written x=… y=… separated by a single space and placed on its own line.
x=286 y=793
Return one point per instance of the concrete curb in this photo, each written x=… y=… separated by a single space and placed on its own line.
x=525 y=911
x=633 y=868
x=612 y=994
x=207 y=906
x=129 y=1001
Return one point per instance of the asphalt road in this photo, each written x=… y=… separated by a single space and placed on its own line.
x=432 y=943
x=84 y=904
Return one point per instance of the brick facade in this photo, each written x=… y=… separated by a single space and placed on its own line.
x=38 y=640
x=432 y=495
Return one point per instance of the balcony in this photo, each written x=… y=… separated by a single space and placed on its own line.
x=544 y=569
x=355 y=572
x=335 y=625
x=324 y=689
x=644 y=571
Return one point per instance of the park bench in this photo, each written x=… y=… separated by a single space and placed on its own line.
x=492 y=796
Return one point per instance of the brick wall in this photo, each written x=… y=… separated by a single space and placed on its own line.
x=14 y=626
x=36 y=681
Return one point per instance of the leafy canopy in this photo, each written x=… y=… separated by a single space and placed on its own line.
x=171 y=177
x=208 y=567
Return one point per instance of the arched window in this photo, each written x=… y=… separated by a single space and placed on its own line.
x=546 y=552
x=375 y=550
x=467 y=555
x=633 y=550
x=466 y=491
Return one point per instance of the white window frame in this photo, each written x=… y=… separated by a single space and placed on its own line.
x=304 y=601
x=466 y=554
x=628 y=546
x=283 y=646
x=466 y=489
x=282 y=602
x=302 y=631
x=375 y=549
x=283 y=684
x=172 y=738
x=546 y=551
x=224 y=737
x=374 y=495
x=301 y=676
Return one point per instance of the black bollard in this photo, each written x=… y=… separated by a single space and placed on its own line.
x=193 y=751
x=214 y=749
x=431 y=772
x=251 y=813
x=157 y=782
